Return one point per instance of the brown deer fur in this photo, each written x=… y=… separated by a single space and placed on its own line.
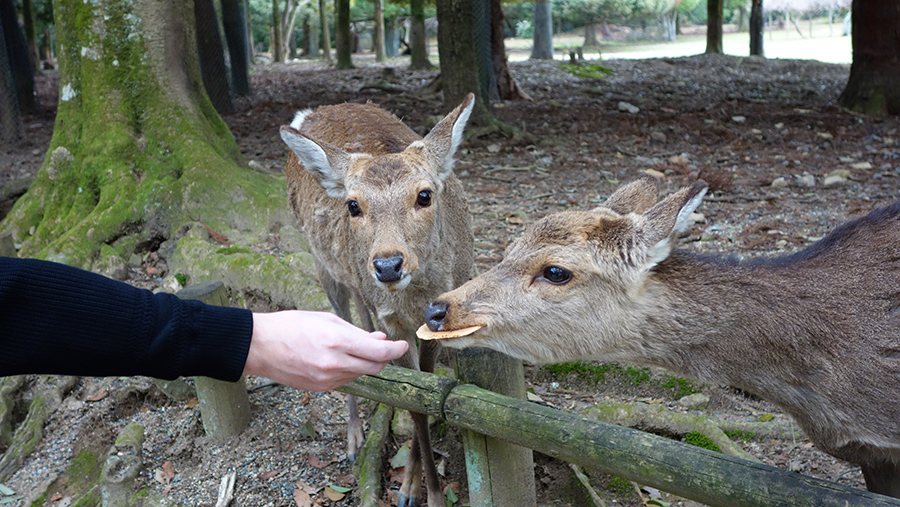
x=817 y=332
x=388 y=224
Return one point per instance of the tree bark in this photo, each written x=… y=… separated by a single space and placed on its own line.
x=234 y=23
x=326 y=32
x=462 y=43
x=138 y=149
x=542 y=46
x=275 y=42
x=12 y=130
x=378 y=36
x=756 y=28
x=342 y=34
x=715 y=12
x=30 y=35
x=590 y=33
x=212 y=57
x=418 y=39
x=507 y=88
x=875 y=71
x=19 y=62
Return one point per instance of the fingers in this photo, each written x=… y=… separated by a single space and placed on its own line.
x=380 y=350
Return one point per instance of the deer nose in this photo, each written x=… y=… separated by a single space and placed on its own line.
x=388 y=269
x=435 y=314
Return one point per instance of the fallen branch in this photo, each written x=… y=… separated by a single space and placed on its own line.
x=598 y=502
x=368 y=467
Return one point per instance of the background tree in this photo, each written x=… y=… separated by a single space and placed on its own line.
x=326 y=33
x=757 y=22
x=212 y=57
x=596 y=12
x=234 y=24
x=872 y=87
x=20 y=65
x=276 y=41
x=378 y=32
x=464 y=51
x=542 y=47
x=11 y=128
x=137 y=149
x=506 y=86
x=418 y=39
x=342 y=34
x=715 y=18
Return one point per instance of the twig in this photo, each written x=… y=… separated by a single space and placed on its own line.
x=226 y=490
x=587 y=485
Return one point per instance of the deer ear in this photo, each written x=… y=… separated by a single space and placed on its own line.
x=668 y=218
x=441 y=143
x=327 y=163
x=635 y=196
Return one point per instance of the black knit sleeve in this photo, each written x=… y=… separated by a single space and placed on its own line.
x=55 y=319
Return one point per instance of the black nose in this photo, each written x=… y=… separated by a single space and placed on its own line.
x=388 y=269
x=435 y=314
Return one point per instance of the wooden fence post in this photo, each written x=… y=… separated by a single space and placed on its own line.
x=224 y=406
x=500 y=474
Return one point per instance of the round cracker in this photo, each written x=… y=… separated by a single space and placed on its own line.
x=426 y=334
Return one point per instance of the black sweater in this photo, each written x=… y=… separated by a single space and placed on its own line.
x=55 y=319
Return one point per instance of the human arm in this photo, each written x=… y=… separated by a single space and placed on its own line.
x=316 y=351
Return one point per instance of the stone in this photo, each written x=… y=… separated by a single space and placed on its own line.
x=779 y=182
x=627 y=107
x=696 y=401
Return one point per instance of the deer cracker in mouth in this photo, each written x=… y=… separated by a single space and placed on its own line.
x=816 y=332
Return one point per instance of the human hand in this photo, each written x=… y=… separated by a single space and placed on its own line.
x=316 y=351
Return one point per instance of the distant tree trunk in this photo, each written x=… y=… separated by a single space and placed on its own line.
x=212 y=57
x=137 y=147
x=30 y=35
x=326 y=32
x=875 y=71
x=461 y=49
x=590 y=33
x=234 y=23
x=277 y=48
x=507 y=88
x=669 y=21
x=418 y=38
x=715 y=12
x=342 y=36
x=12 y=130
x=542 y=46
x=756 y=28
x=19 y=62
x=378 y=36
x=288 y=21
x=249 y=32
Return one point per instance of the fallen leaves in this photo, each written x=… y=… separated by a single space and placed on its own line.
x=164 y=476
x=305 y=495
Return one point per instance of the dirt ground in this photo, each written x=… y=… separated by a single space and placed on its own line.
x=784 y=162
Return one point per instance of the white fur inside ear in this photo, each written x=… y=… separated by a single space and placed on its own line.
x=684 y=214
x=299 y=118
x=314 y=160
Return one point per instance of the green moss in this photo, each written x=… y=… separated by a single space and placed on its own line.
x=619 y=486
x=597 y=372
x=587 y=70
x=745 y=436
x=228 y=250
x=700 y=440
x=679 y=386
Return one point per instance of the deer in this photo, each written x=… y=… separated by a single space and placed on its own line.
x=816 y=332
x=388 y=226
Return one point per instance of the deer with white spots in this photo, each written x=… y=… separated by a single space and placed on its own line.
x=388 y=225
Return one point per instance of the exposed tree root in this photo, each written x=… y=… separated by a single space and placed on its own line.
x=656 y=419
x=368 y=467
x=9 y=390
x=48 y=395
x=513 y=133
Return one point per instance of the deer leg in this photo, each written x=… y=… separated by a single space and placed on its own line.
x=411 y=489
x=883 y=478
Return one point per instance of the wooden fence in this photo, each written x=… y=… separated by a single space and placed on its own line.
x=685 y=470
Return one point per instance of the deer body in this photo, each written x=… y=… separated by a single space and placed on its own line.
x=817 y=332
x=388 y=225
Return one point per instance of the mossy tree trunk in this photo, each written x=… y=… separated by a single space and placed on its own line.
x=137 y=147
x=418 y=37
x=715 y=17
x=875 y=72
x=342 y=36
x=464 y=49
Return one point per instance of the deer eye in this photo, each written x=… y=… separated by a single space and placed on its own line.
x=556 y=275
x=354 y=209
x=424 y=198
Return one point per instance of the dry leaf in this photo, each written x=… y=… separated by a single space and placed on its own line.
x=165 y=474
x=317 y=462
x=99 y=397
x=312 y=490
x=56 y=497
x=193 y=402
x=334 y=495
x=302 y=498
x=268 y=475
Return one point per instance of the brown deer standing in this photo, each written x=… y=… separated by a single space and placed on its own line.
x=388 y=225
x=817 y=332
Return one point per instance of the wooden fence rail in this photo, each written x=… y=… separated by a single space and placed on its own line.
x=685 y=470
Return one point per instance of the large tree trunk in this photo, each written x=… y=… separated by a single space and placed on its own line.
x=590 y=33
x=234 y=23
x=138 y=149
x=378 y=35
x=342 y=36
x=875 y=72
x=463 y=42
x=19 y=62
x=756 y=28
x=542 y=48
x=326 y=32
x=11 y=128
x=507 y=88
x=418 y=39
x=30 y=35
x=275 y=42
x=715 y=12
x=212 y=56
